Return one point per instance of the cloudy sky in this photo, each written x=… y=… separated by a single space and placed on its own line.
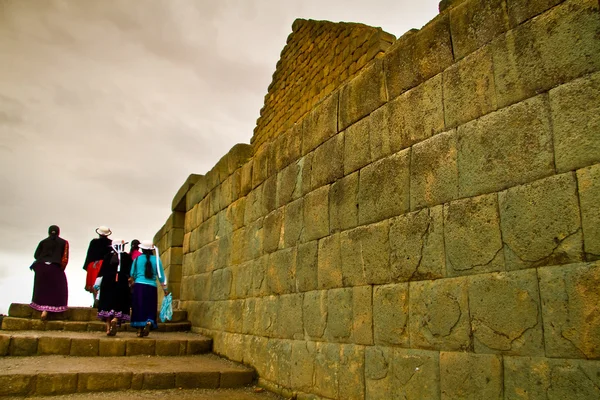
x=106 y=106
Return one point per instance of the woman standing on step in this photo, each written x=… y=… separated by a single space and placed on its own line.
x=146 y=269
x=97 y=250
x=50 y=290
x=112 y=285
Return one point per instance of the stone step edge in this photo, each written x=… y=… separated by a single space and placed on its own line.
x=24 y=324
x=50 y=384
x=22 y=310
x=101 y=347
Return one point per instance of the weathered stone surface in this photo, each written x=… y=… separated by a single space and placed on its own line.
x=339 y=315
x=472 y=236
x=306 y=267
x=357 y=148
x=351 y=372
x=362 y=315
x=260 y=168
x=365 y=255
x=327 y=364
x=343 y=203
x=469 y=90
x=16 y=324
x=417 y=245
x=4 y=345
x=316 y=214
x=111 y=347
x=570 y=299
x=139 y=347
x=303 y=355
x=390 y=314
x=588 y=183
x=281 y=271
x=439 y=315
x=434 y=171
x=315 y=313
x=470 y=376
x=289 y=183
x=103 y=381
x=379 y=379
x=290 y=324
x=416 y=115
x=519 y=11
x=320 y=124
x=246 y=178
x=376 y=201
x=51 y=384
x=474 y=23
x=506 y=315
x=54 y=345
x=541 y=223
x=329 y=272
x=328 y=162
x=431 y=45
x=304 y=176
x=253 y=240
x=554 y=48
x=293 y=223
x=495 y=152
x=416 y=374
x=273 y=223
x=288 y=147
x=269 y=194
x=221 y=283
x=202 y=379
x=576 y=122
x=23 y=346
x=545 y=378
x=259 y=276
x=363 y=94
x=158 y=380
x=19 y=310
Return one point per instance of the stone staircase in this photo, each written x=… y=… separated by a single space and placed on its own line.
x=70 y=353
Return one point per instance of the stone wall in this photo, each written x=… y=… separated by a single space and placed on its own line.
x=318 y=57
x=430 y=229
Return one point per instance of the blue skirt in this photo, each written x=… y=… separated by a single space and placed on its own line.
x=144 y=305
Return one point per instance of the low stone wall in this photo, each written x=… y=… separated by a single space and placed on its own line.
x=428 y=230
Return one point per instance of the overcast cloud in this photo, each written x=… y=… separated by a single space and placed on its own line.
x=106 y=106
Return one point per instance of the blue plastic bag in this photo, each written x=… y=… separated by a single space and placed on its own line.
x=166 y=309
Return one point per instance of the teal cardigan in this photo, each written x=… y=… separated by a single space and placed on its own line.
x=138 y=269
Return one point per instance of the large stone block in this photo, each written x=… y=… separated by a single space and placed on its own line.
x=472 y=236
x=339 y=315
x=588 y=183
x=469 y=90
x=4 y=345
x=259 y=276
x=471 y=376
x=273 y=234
x=431 y=46
x=48 y=345
x=343 y=203
x=434 y=171
x=570 y=299
x=576 y=123
x=293 y=223
x=416 y=374
x=439 y=315
x=281 y=271
x=315 y=313
x=103 y=381
x=376 y=201
x=357 y=145
x=260 y=168
x=23 y=346
x=352 y=372
x=269 y=194
x=417 y=245
x=545 y=378
x=365 y=255
x=288 y=147
x=363 y=94
x=416 y=115
x=246 y=178
x=327 y=365
x=390 y=315
x=289 y=183
x=320 y=124
x=329 y=272
x=279 y=355
x=235 y=213
x=476 y=22
x=554 y=48
x=290 y=317
x=379 y=377
x=541 y=223
x=328 y=162
x=303 y=365
x=495 y=152
x=316 y=214
x=140 y=347
x=307 y=267
x=505 y=313
x=519 y=11
x=362 y=315
x=253 y=240
x=52 y=384
x=112 y=348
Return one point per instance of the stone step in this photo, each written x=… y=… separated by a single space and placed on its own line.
x=55 y=375
x=28 y=324
x=92 y=344
x=20 y=310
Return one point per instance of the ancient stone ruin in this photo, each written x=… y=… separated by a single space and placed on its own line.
x=414 y=218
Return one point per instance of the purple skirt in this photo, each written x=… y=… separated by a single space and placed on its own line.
x=50 y=290
x=144 y=305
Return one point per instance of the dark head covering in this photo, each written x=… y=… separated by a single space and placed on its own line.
x=52 y=248
x=53 y=230
x=135 y=244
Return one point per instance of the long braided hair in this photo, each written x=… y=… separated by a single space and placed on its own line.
x=148 y=271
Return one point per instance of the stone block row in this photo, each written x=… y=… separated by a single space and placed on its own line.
x=346 y=371
x=548 y=311
x=20 y=345
x=25 y=324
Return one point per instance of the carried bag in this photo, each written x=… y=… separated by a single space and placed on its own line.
x=166 y=310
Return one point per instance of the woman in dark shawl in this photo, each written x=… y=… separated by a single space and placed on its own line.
x=97 y=250
x=114 y=302
x=50 y=290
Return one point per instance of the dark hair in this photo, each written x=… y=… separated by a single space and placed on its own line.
x=53 y=231
x=149 y=272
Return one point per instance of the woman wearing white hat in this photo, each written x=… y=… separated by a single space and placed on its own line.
x=97 y=250
x=145 y=271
